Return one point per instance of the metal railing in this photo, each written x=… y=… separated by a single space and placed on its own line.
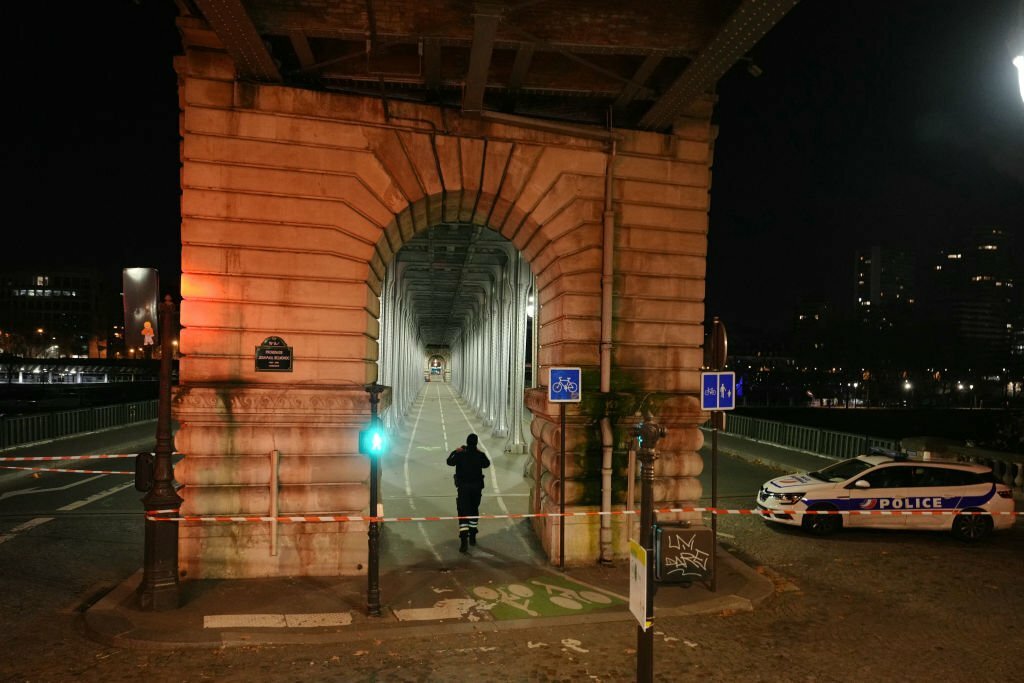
x=811 y=439
x=1008 y=467
x=18 y=430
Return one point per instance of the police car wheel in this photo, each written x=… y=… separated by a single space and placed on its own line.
x=972 y=528
x=821 y=525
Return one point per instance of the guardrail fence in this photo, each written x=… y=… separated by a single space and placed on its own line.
x=1008 y=467
x=820 y=441
x=24 y=429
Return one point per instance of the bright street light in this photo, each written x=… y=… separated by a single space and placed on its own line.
x=1017 y=48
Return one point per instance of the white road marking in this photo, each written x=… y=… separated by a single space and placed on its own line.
x=31 y=524
x=498 y=496
x=408 y=483
x=573 y=644
x=25 y=492
x=532 y=645
x=455 y=608
x=93 y=498
x=314 y=620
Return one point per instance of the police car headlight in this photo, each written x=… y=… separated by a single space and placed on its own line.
x=790 y=498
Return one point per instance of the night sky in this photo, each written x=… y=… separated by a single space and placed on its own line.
x=874 y=122
x=892 y=123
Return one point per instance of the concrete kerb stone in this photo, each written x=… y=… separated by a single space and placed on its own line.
x=111 y=622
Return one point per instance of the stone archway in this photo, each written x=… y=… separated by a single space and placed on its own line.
x=293 y=204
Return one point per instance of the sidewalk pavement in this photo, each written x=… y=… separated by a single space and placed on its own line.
x=479 y=591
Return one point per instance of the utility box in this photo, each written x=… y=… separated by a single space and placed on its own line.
x=683 y=553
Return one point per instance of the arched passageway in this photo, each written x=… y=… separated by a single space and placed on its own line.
x=455 y=294
x=461 y=290
x=295 y=206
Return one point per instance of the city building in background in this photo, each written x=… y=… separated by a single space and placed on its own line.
x=884 y=289
x=974 y=300
x=52 y=313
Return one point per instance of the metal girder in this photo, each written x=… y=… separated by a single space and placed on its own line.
x=524 y=56
x=232 y=24
x=747 y=25
x=630 y=90
x=432 y=63
x=444 y=272
x=485 y=27
x=302 y=50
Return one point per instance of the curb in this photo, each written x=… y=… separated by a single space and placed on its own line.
x=109 y=623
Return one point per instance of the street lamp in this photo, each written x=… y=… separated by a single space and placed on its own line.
x=1017 y=47
x=647 y=434
x=1018 y=62
x=373 y=442
x=159 y=589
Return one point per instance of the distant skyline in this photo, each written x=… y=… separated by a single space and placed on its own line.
x=873 y=123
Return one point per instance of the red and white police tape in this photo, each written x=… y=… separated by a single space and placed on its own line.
x=54 y=469
x=159 y=515
x=50 y=458
x=37 y=458
x=163 y=515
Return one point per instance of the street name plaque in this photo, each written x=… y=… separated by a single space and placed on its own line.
x=273 y=355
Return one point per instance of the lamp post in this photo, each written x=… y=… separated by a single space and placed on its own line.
x=371 y=442
x=159 y=587
x=647 y=434
x=1017 y=46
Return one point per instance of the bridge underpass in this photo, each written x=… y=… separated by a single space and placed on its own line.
x=456 y=295
x=319 y=211
x=459 y=293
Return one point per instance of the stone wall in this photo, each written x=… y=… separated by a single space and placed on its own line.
x=294 y=201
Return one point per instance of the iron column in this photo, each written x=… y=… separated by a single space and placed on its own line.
x=159 y=588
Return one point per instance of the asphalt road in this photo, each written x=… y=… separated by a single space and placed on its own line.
x=65 y=538
x=861 y=605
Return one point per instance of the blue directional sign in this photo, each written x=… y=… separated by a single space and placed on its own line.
x=718 y=390
x=565 y=385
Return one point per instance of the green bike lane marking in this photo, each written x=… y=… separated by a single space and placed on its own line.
x=541 y=596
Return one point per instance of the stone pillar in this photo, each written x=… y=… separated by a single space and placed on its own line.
x=228 y=434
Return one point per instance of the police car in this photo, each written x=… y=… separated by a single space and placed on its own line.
x=891 y=492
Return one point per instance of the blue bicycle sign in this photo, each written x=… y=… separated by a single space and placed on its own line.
x=564 y=385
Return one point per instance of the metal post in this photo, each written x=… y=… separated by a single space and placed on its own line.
x=561 y=492
x=373 y=559
x=648 y=433
x=719 y=351
x=715 y=422
x=159 y=587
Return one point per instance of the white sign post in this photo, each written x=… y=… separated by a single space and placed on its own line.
x=638 y=583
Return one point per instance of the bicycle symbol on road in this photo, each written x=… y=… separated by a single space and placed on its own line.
x=544 y=598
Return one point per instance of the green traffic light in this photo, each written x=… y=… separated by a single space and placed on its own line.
x=373 y=441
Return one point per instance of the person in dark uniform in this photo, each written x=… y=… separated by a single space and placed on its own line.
x=469 y=464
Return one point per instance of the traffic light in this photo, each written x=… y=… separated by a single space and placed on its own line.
x=373 y=441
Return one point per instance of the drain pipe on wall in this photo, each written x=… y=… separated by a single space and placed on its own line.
x=607 y=432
